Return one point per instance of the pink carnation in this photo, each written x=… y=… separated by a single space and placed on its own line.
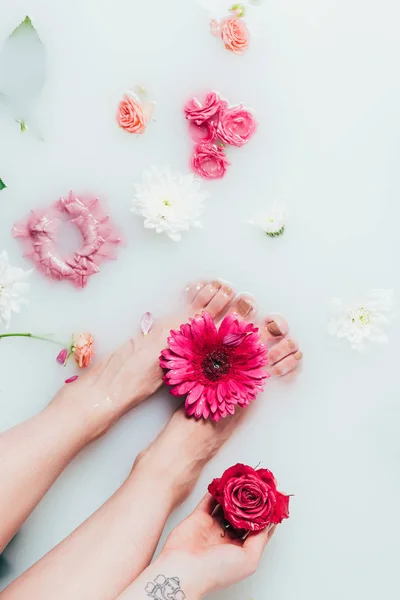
x=199 y=113
x=209 y=161
x=215 y=369
x=236 y=125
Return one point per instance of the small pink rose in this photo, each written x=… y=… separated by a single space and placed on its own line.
x=234 y=34
x=82 y=349
x=62 y=356
x=131 y=115
x=209 y=161
x=71 y=379
x=206 y=132
x=236 y=125
x=199 y=113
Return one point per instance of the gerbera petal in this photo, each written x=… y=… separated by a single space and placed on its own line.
x=184 y=388
x=195 y=393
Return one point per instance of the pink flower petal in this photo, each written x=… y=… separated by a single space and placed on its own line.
x=71 y=379
x=146 y=323
x=62 y=356
x=232 y=340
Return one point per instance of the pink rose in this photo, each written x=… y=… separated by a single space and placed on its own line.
x=209 y=161
x=236 y=125
x=199 y=113
x=249 y=498
x=131 y=115
x=206 y=132
x=82 y=349
x=234 y=34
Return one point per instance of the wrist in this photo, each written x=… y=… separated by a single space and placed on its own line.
x=178 y=571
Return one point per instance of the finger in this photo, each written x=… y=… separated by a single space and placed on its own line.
x=206 y=294
x=207 y=504
x=287 y=365
x=220 y=301
x=255 y=544
x=193 y=289
x=275 y=328
x=282 y=349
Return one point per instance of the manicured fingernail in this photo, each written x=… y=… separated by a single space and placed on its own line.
x=298 y=355
x=227 y=290
x=244 y=307
x=273 y=328
x=291 y=344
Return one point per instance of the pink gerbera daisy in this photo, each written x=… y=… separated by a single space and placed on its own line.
x=216 y=368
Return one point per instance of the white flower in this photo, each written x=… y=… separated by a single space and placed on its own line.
x=12 y=287
x=169 y=202
x=272 y=222
x=362 y=321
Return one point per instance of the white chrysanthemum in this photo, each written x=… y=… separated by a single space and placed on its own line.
x=362 y=321
x=13 y=287
x=272 y=222
x=169 y=202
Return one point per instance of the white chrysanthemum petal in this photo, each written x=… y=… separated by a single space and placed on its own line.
x=272 y=222
x=169 y=202
x=13 y=287
x=362 y=322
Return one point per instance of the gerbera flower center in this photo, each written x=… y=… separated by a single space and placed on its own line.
x=362 y=316
x=216 y=364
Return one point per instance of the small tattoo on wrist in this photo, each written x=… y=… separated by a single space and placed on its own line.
x=165 y=588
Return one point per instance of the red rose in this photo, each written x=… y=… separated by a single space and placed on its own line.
x=199 y=113
x=249 y=498
x=209 y=161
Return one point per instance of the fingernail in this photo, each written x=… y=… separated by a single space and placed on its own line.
x=298 y=355
x=291 y=344
x=227 y=290
x=215 y=285
x=244 y=307
x=273 y=328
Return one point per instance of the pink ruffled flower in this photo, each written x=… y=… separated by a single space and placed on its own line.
x=82 y=349
x=236 y=126
x=234 y=34
x=206 y=132
x=209 y=161
x=131 y=114
x=199 y=113
x=215 y=369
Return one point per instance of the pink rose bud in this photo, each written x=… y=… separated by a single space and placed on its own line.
x=82 y=349
x=71 y=379
x=62 y=356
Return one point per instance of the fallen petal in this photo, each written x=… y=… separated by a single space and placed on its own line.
x=71 y=379
x=146 y=323
x=62 y=356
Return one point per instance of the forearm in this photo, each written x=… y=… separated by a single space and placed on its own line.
x=109 y=550
x=170 y=576
x=32 y=456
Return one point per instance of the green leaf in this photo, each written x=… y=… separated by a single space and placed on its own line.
x=22 y=69
x=2 y=185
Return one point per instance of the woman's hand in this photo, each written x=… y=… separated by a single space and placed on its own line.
x=214 y=559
